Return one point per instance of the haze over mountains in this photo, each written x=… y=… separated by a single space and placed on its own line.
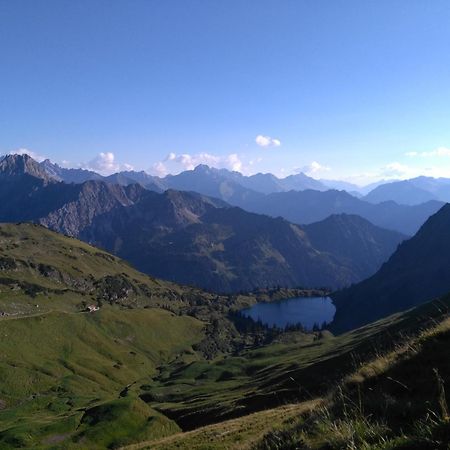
x=412 y=192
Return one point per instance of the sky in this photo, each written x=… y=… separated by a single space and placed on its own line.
x=338 y=89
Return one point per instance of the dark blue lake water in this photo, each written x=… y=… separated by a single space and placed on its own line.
x=304 y=310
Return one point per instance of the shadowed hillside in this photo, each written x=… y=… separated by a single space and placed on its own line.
x=418 y=271
x=188 y=238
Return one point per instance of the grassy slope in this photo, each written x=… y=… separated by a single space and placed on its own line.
x=81 y=263
x=55 y=368
x=206 y=392
x=235 y=433
x=58 y=363
x=388 y=399
x=397 y=401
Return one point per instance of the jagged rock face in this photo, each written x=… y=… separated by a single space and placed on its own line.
x=27 y=193
x=68 y=175
x=417 y=272
x=132 y=177
x=92 y=199
x=13 y=166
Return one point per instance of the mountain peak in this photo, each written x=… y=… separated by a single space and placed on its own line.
x=203 y=168
x=18 y=165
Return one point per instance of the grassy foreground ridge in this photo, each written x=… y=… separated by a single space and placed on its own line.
x=163 y=366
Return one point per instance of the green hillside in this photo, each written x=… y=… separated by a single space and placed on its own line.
x=397 y=401
x=58 y=367
x=74 y=379
x=204 y=392
x=391 y=396
x=162 y=366
x=64 y=371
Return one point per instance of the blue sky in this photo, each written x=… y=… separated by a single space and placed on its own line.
x=355 y=90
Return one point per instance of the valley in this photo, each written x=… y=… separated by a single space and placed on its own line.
x=156 y=358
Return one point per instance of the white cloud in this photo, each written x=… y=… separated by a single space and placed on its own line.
x=159 y=169
x=267 y=141
x=438 y=152
x=105 y=164
x=313 y=168
x=25 y=151
x=175 y=163
x=234 y=162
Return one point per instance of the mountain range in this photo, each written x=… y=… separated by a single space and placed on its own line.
x=235 y=187
x=411 y=192
x=310 y=206
x=297 y=198
x=262 y=182
x=191 y=238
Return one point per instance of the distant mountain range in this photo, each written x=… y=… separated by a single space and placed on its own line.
x=240 y=190
x=303 y=200
x=297 y=198
x=311 y=206
x=191 y=238
x=412 y=192
x=202 y=177
x=418 y=271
